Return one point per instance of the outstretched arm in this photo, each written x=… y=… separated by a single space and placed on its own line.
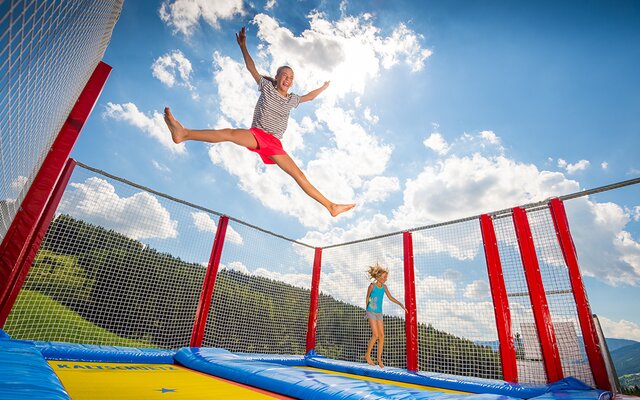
x=393 y=298
x=314 y=93
x=241 y=38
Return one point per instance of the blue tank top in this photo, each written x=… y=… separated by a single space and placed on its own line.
x=375 y=299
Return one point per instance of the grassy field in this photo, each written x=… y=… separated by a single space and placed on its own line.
x=56 y=322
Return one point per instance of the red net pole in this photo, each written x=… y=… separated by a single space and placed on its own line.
x=589 y=333
x=541 y=314
x=204 y=304
x=500 y=300
x=411 y=317
x=313 y=305
x=36 y=240
x=15 y=244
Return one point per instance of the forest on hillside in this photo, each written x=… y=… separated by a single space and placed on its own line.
x=139 y=293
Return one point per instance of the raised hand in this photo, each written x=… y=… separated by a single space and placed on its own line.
x=241 y=37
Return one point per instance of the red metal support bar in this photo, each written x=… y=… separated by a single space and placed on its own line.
x=36 y=240
x=500 y=300
x=541 y=314
x=411 y=316
x=312 y=324
x=14 y=245
x=204 y=304
x=589 y=333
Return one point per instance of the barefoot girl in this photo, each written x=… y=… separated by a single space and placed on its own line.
x=270 y=119
x=375 y=295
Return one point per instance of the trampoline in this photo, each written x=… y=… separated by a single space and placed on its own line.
x=53 y=370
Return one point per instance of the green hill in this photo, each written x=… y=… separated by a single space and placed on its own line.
x=53 y=322
x=627 y=359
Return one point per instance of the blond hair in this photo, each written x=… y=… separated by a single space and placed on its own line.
x=376 y=271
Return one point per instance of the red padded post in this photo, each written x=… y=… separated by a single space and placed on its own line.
x=312 y=324
x=15 y=244
x=589 y=333
x=411 y=317
x=204 y=304
x=500 y=300
x=541 y=314
x=36 y=239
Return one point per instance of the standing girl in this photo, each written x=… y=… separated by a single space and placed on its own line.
x=270 y=119
x=375 y=295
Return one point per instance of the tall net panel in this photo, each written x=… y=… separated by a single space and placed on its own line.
x=457 y=330
x=343 y=332
x=119 y=265
x=526 y=342
x=262 y=293
x=562 y=305
x=48 y=51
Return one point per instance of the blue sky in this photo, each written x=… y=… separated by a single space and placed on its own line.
x=436 y=110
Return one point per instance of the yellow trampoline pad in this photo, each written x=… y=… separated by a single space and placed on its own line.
x=108 y=381
x=386 y=381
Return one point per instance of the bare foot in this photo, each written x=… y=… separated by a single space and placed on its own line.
x=178 y=132
x=369 y=360
x=337 y=209
x=380 y=363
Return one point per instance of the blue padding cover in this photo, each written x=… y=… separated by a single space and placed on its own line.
x=301 y=383
x=4 y=335
x=98 y=353
x=283 y=359
x=445 y=381
x=24 y=374
x=576 y=395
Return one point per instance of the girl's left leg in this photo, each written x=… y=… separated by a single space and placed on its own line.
x=380 y=324
x=289 y=166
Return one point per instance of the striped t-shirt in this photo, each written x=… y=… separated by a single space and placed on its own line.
x=272 y=109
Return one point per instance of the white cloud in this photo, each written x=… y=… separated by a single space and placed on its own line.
x=350 y=51
x=477 y=290
x=153 y=125
x=378 y=189
x=437 y=143
x=160 y=167
x=184 y=15
x=204 y=223
x=622 y=329
x=604 y=165
x=139 y=216
x=174 y=69
x=605 y=249
x=471 y=320
x=270 y=4
x=459 y=187
x=433 y=286
x=490 y=137
x=302 y=280
x=18 y=184
x=573 y=168
x=369 y=116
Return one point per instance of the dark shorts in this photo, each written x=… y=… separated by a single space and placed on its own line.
x=268 y=145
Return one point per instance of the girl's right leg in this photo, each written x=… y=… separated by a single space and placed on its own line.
x=179 y=133
x=287 y=164
x=372 y=341
x=380 y=326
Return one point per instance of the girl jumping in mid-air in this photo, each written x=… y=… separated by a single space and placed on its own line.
x=375 y=294
x=270 y=119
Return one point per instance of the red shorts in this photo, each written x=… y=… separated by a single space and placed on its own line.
x=268 y=145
